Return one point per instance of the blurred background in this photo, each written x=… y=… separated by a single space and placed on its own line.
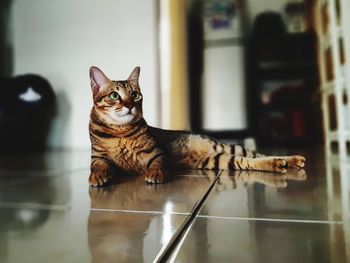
x=274 y=70
x=277 y=71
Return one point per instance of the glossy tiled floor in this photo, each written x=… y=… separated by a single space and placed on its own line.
x=49 y=214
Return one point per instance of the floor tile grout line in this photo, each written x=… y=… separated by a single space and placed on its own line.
x=65 y=207
x=137 y=211
x=177 y=239
x=306 y=221
x=34 y=206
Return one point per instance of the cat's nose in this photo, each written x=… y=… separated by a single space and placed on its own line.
x=128 y=104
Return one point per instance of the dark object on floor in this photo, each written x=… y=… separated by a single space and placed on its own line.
x=27 y=107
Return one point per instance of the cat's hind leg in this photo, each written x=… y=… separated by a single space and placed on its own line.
x=241 y=151
x=296 y=161
x=226 y=161
x=204 y=152
x=292 y=161
x=204 y=144
x=270 y=163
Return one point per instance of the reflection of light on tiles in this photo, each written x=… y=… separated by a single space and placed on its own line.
x=26 y=216
x=338 y=199
x=167 y=229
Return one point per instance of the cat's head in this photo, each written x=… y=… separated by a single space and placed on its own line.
x=119 y=101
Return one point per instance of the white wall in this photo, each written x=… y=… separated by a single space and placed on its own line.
x=61 y=39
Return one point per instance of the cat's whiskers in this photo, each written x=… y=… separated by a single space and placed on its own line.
x=122 y=116
x=124 y=111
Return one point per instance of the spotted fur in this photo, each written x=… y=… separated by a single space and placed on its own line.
x=121 y=140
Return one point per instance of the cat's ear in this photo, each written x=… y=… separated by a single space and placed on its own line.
x=98 y=79
x=134 y=76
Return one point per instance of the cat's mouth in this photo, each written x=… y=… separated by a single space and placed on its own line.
x=127 y=115
x=125 y=112
x=124 y=115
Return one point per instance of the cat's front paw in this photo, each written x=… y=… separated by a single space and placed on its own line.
x=99 y=178
x=156 y=176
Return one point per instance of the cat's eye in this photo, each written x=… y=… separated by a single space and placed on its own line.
x=114 y=96
x=136 y=96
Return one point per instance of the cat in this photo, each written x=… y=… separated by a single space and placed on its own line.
x=121 y=140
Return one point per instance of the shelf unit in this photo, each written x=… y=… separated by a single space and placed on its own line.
x=334 y=59
x=334 y=65
x=283 y=84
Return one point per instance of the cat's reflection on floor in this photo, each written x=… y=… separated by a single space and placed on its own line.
x=231 y=179
x=138 y=233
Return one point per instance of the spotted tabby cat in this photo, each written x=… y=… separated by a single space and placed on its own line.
x=121 y=139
